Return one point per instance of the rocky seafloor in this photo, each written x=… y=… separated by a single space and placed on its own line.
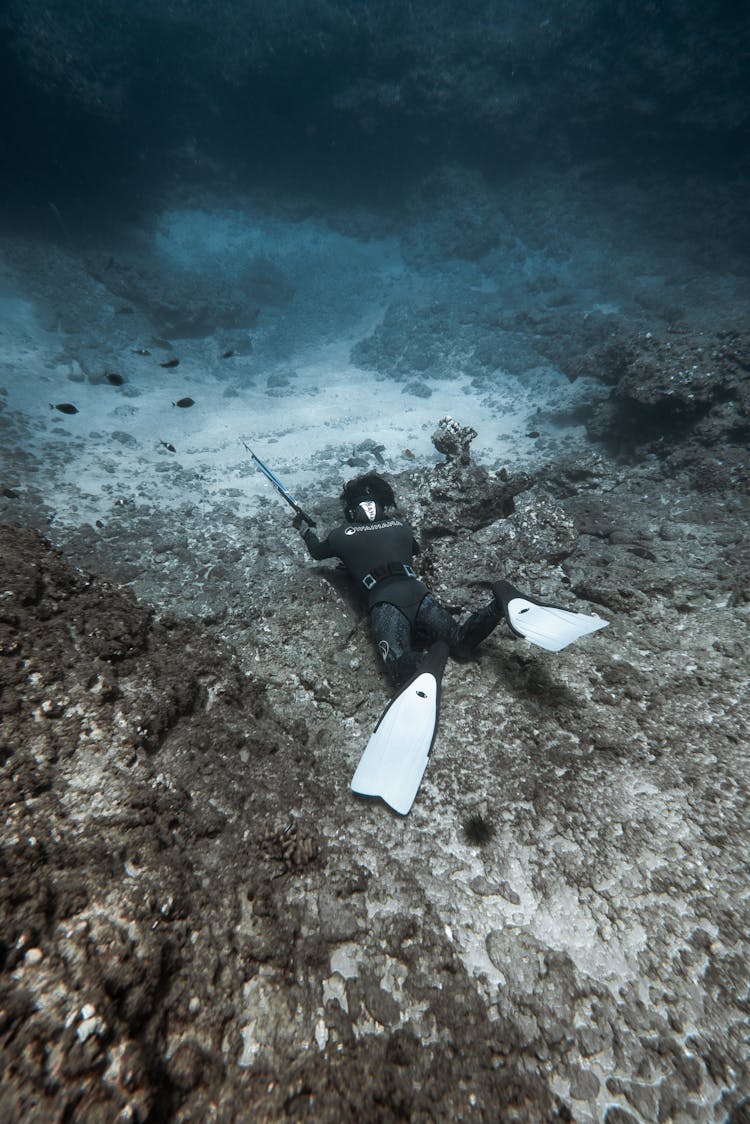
x=200 y=921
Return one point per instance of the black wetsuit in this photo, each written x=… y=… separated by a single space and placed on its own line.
x=402 y=611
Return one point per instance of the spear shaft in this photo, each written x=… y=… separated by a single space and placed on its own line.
x=279 y=486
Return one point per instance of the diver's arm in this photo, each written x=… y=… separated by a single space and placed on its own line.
x=318 y=550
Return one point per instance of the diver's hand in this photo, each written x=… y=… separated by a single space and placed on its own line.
x=298 y=521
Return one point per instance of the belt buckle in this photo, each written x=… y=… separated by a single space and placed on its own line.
x=408 y=570
x=369 y=582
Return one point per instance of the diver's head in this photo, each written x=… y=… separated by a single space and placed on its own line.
x=366 y=498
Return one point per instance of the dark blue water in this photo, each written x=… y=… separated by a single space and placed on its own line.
x=104 y=110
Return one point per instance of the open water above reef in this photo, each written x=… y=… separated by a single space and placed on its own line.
x=319 y=337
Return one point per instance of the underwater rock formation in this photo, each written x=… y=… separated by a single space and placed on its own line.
x=197 y=911
x=156 y=956
x=668 y=389
x=509 y=71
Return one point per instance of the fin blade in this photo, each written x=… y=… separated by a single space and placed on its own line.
x=549 y=627
x=395 y=757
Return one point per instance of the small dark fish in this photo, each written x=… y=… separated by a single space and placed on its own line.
x=170 y=363
x=114 y=378
x=166 y=445
x=141 y=351
x=227 y=354
x=533 y=433
x=64 y=407
x=184 y=402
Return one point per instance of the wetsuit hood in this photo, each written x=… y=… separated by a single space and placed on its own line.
x=361 y=493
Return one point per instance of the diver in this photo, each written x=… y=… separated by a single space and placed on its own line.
x=377 y=549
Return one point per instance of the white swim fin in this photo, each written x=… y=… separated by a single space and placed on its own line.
x=547 y=626
x=395 y=758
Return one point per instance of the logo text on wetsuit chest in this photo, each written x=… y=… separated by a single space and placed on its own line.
x=353 y=530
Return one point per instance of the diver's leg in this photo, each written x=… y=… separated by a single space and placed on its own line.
x=392 y=632
x=477 y=628
x=435 y=623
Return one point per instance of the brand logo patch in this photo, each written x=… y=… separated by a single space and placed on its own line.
x=354 y=530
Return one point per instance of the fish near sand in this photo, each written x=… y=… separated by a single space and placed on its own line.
x=113 y=378
x=170 y=363
x=168 y=447
x=64 y=407
x=184 y=402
